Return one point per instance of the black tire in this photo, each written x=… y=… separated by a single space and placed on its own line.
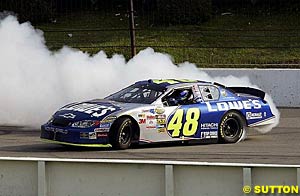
x=121 y=133
x=232 y=127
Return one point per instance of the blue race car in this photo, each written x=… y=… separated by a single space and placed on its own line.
x=159 y=111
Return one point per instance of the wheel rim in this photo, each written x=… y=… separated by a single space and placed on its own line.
x=231 y=127
x=125 y=134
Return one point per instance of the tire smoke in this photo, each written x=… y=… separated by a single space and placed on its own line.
x=35 y=82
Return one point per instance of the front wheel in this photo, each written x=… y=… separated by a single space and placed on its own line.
x=121 y=133
x=232 y=127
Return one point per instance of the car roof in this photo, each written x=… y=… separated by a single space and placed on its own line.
x=167 y=83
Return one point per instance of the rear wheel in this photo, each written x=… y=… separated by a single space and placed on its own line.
x=232 y=127
x=121 y=133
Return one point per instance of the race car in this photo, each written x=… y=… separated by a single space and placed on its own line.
x=161 y=111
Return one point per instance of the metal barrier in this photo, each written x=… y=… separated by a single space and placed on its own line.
x=55 y=177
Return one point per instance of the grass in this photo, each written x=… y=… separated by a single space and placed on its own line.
x=224 y=41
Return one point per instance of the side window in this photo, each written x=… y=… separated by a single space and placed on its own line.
x=183 y=96
x=209 y=93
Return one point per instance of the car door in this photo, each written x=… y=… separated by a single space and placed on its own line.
x=180 y=121
x=183 y=121
x=193 y=120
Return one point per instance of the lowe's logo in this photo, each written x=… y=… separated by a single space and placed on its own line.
x=93 y=109
x=237 y=105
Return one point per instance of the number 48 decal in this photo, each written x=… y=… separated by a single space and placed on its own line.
x=189 y=128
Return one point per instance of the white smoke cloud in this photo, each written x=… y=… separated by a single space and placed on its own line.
x=34 y=82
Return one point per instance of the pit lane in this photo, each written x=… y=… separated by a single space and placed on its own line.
x=280 y=146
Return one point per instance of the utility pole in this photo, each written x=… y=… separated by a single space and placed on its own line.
x=132 y=29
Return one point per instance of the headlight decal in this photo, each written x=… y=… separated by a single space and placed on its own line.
x=50 y=120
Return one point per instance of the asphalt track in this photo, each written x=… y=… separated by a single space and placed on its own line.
x=280 y=146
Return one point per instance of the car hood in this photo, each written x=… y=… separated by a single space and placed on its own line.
x=93 y=110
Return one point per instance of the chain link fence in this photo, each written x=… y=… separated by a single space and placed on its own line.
x=209 y=33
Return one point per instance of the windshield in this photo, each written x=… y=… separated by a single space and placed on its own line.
x=137 y=93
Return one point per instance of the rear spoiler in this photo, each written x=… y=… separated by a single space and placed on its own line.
x=248 y=90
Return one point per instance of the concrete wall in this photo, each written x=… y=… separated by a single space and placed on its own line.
x=282 y=84
x=103 y=177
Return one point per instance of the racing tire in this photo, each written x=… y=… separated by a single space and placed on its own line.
x=121 y=133
x=232 y=127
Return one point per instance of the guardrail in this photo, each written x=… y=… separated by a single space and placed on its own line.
x=56 y=177
x=282 y=84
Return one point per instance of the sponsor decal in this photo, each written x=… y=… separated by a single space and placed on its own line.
x=93 y=109
x=209 y=126
x=84 y=135
x=160 y=126
x=149 y=111
x=209 y=134
x=102 y=135
x=68 y=115
x=142 y=121
x=150 y=122
x=160 y=116
x=152 y=111
x=141 y=115
x=238 y=105
x=56 y=130
x=151 y=117
x=104 y=125
x=109 y=119
x=92 y=136
x=251 y=115
x=150 y=127
x=161 y=121
x=162 y=130
x=101 y=130
x=159 y=110
x=88 y=135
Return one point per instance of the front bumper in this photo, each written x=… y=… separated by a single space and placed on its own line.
x=74 y=137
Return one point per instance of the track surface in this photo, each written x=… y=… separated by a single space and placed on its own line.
x=280 y=146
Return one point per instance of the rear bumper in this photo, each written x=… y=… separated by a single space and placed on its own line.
x=267 y=121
